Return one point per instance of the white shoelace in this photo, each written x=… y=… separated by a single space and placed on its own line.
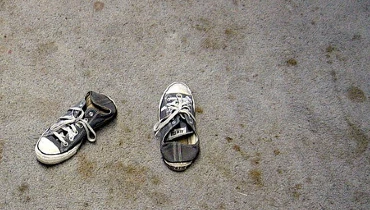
x=179 y=105
x=68 y=123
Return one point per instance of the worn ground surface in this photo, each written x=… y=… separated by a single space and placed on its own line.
x=282 y=91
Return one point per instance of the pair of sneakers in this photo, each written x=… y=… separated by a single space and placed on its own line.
x=176 y=128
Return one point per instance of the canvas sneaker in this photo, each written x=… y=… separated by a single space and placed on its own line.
x=176 y=128
x=62 y=140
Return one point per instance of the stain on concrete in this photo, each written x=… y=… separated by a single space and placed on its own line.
x=1 y=149
x=296 y=191
x=230 y=32
x=199 y=110
x=292 y=62
x=355 y=94
x=23 y=190
x=255 y=175
x=126 y=179
x=213 y=43
x=334 y=76
x=330 y=49
x=356 y=37
x=159 y=198
x=256 y=160
x=361 y=197
x=86 y=167
x=47 y=48
x=228 y=139
x=276 y=152
x=98 y=6
x=236 y=148
x=357 y=135
x=203 y=25
x=334 y=52
x=155 y=180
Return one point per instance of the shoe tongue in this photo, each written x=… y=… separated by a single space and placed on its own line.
x=179 y=130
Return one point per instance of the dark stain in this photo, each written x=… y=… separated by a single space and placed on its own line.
x=242 y=125
x=236 y=148
x=203 y=25
x=213 y=44
x=134 y=174
x=120 y=143
x=355 y=94
x=127 y=129
x=276 y=152
x=1 y=149
x=228 y=139
x=356 y=37
x=333 y=52
x=292 y=62
x=24 y=187
x=155 y=180
x=23 y=190
x=199 y=110
x=295 y=191
x=255 y=175
x=334 y=75
x=236 y=2
x=85 y=166
x=125 y=180
x=357 y=135
x=87 y=73
x=159 y=198
x=330 y=49
x=361 y=197
x=98 y=6
x=47 y=48
x=231 y=97
x=256 y=159
x=221 y=206
x=230 y=32
x=184 y=40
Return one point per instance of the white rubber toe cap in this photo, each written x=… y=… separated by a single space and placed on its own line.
x=47 y=147
x=178 y=88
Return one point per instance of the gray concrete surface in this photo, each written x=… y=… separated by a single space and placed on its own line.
x=282 y=91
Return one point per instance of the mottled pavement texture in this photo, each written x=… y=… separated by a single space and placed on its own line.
x=282 y=90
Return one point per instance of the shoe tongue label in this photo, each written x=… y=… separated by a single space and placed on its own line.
x=175 y=133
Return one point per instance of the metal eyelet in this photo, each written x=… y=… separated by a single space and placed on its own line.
x=65 y=144
x=91 y=114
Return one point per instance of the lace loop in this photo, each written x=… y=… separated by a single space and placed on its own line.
x=68 y=124
x=179 y=105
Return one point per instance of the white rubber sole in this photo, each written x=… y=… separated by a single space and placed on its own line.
x=178 y=166
x=55 y=159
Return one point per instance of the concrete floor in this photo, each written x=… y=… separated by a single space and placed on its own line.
x=282 y=91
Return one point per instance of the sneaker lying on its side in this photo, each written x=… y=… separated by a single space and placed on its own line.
x=62 y=140
x=176 y=128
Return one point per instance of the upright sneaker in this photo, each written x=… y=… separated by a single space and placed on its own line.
x=176 y=128
x=62 y=140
